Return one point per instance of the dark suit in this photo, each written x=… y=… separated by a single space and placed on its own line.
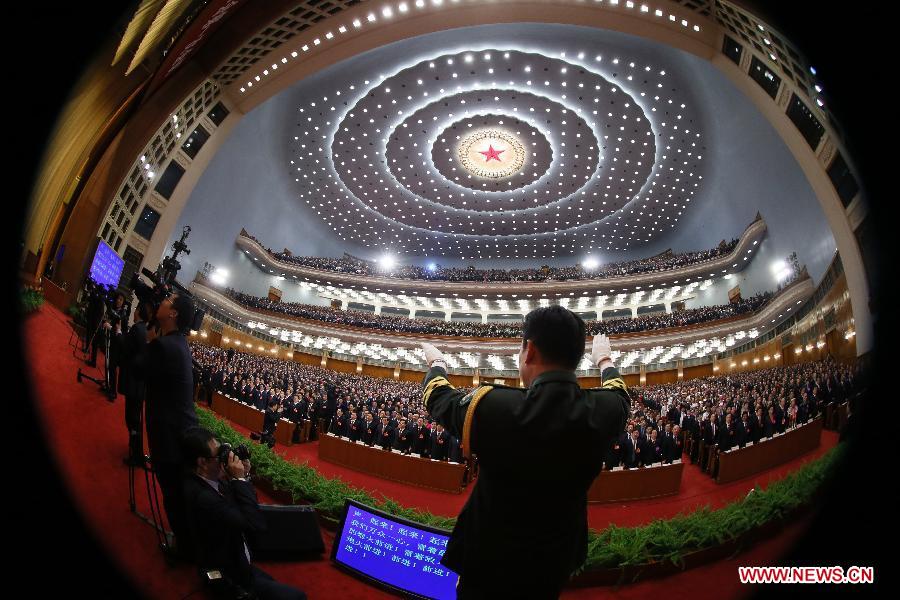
x=728 y=437
x=368 y=432
x=551 y=436
x=169 y=413
x=613 y=456
x=357 y=427
x=220 y=522
x=454 y=450
x=132 y=386
x=673 y=448
x=420 y=441
x=439 y=445
x=403 y=440
x=339 y=426
x=384 y=436
x=652 y=452
x=630 y=455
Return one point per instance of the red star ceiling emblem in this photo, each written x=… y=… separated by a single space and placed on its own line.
x=491 y=153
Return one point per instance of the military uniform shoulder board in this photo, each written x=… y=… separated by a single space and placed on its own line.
x=472 y=399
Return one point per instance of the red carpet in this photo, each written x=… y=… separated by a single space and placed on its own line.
x=697 y=488
x=88 y=438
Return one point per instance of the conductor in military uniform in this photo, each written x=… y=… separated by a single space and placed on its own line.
x=523 y=530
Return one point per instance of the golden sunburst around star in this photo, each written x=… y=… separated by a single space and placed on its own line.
x=506 y=154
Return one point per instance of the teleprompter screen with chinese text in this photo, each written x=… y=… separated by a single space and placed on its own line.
x=396 y=553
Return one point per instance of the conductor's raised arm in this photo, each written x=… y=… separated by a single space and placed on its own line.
x=444 y=402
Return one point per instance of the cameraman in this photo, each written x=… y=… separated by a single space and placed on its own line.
x=170 y=407
x=131 y=381
x=114 y=322
x=93 y=315
x=222 y=510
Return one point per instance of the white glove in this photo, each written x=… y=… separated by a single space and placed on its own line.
x=432 y=354
x=600 y=349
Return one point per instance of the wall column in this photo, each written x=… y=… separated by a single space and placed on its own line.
x=412 y=313
x=668 y=307
x=447 y=316
x=377 y=309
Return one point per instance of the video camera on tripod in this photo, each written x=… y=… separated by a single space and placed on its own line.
x=163 y=281
x=106 y=313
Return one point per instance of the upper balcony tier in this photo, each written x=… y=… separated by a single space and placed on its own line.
x=695 y=340
x=735 y=260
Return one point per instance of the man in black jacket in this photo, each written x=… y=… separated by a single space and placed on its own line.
x=440 y=443
x=170 y=407
x=222 y=510
x=132 y=384
x=403 y=440
x=673 y=448
x=357 y=427
x=338 y=424
x=384 y=434
x=566 y=431
x=368 y=431
x=420 y=438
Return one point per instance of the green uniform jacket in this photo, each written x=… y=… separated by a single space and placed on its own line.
x=539 y=449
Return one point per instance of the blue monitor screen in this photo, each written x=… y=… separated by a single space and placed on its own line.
x=394 y=552
x=107 y=266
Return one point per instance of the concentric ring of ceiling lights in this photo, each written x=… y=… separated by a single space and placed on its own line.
x=608 y=157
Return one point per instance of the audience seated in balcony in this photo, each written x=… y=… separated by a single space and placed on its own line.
x=356 y=318
x=356 y=266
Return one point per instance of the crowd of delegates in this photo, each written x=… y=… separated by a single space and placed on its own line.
x=357 y=318
x=729 y=410
x=357 y=266
x=379 y=412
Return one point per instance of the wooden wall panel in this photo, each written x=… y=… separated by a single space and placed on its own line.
x=341 y=366
x=660 y=377
x=698 y=371
x=378 y=371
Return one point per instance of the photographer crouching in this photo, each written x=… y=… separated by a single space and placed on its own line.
x=222 y=510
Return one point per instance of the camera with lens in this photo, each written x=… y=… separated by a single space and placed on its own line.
x=242 y=452
x=99 y=302
x=163 y=280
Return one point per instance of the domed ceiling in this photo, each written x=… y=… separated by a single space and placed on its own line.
x=502 y=142
x=503 y=150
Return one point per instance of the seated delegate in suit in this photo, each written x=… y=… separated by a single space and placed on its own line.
x=222 y=510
